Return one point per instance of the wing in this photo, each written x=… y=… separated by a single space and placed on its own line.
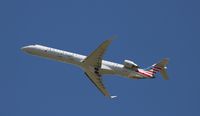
x=95 y=58
x=97 y=81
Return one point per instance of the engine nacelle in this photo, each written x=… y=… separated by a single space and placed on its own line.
x=130 y=64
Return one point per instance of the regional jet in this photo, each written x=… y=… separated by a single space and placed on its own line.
x=94 y=66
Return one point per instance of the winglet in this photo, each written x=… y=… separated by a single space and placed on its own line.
x=112 y=38
x=112 y=97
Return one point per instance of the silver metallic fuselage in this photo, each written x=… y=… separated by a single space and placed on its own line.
x=76 y=59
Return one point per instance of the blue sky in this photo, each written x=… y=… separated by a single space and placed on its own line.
x=147 y=32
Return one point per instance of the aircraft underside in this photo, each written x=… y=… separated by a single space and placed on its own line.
x=95 y=67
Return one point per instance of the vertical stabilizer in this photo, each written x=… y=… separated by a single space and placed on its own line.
x=160 y=67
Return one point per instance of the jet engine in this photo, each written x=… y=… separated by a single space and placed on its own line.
x=130 y=64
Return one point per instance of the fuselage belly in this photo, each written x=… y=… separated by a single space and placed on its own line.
x=76 y=59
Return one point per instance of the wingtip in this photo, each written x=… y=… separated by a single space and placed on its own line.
x=112 y=97
x=112 y=38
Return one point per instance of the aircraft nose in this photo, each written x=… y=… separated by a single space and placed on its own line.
x=26 y=48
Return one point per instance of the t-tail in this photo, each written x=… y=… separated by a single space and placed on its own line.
x=159 y=67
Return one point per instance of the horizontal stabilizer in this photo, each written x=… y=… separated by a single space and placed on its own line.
x=164 y=74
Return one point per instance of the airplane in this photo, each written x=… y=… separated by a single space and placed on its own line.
x=94 y=66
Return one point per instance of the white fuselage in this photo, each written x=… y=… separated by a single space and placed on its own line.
x=76 y=59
